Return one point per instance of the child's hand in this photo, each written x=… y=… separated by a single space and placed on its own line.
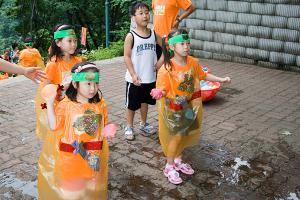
x=109 y=131
x=226 y=80
x=136 y=80
x=67 y=81
x=49 y=92
x=156 y=93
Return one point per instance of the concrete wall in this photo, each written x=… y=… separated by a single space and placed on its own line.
x=263 y=32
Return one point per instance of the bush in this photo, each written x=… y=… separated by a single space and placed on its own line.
x=115 y=49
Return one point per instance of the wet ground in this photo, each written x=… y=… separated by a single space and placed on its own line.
x=249 y=147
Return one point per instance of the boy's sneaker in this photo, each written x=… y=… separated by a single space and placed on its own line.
x=129 y=133
x=147 y=129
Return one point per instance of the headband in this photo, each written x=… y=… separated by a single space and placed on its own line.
x=85 y=76
x=179 y=38
x=64 y=33
x=28 y=44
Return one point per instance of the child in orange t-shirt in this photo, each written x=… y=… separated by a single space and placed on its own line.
x=62 y=58
x=30 y=57
x=81 y=168
x=180 y=104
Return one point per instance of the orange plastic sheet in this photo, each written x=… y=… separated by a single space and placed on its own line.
x=65 y=175
x=180 y=112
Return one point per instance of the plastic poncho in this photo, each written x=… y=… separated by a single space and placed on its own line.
x=75 y=176
x=180 y=111
x=31 y=57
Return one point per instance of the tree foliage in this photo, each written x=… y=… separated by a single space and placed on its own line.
x=38 y=17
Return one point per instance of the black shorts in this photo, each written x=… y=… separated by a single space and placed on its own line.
x=136 y=95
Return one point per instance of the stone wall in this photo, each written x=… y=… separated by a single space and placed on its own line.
x=263 y=32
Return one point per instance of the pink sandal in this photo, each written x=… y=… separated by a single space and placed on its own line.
x=184 y=168
x=172 y=175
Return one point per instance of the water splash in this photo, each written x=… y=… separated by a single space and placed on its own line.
x=236 y=170
x=26 y=187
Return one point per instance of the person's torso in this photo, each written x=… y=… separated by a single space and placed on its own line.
x=83 y=122
x=164 y=13
x=143 y=57
x=29 y=58
x=183 y=79
x=60 y=68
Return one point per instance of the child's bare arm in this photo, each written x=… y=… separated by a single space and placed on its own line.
x=211 y=77
x=127 y=58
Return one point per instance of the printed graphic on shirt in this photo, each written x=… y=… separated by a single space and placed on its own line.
x=88 y=123
x=159 y=10
x=143 y=47
x=188 y=83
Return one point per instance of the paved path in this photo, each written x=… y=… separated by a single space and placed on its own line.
x=249 y=148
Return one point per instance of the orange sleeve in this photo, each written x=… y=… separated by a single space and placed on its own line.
x=199 y=70
x=105 y=113
x=163 y=81
x=51 y=71
x=184 y=4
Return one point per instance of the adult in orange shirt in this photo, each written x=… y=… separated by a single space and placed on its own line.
x=166 y=16
x=30 y=57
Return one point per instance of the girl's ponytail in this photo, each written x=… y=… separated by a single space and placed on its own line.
x=167 y=53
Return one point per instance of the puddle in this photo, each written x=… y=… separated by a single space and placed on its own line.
x=230 y=91
x=26 y=187
x=286 y=133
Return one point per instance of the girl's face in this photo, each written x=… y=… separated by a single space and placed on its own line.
x=181 y=48
x=67 y=45
x=142 y=16
x=87 y=90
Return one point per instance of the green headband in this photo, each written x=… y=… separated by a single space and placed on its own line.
x=28 y=44
x=64 y=33
x=179 y=38
x=86 y=77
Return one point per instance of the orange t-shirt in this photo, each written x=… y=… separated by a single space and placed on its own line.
x=81 y=122
x=31 y=57
x=182 y=80
x=165 y=13
x=56 y=70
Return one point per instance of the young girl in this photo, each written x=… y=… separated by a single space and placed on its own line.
x=180 y=104
x=62 y=57
x=81 y=160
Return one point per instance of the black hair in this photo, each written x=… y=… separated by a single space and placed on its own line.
x=165 y=47
x=14 y=45
x=136 y=6
x=72 y=91
x=54 y=49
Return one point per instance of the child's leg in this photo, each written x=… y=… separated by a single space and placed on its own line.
x=172 y=148
x=144 y=112
x=130 y=117
x=183 y=167
x=145 y=127
x=129 y=127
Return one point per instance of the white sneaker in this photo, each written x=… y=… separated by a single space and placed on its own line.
x=129 y=133
x=147 y=129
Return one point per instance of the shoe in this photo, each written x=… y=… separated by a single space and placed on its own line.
x=172 y=174
x=147 y=129
x=129 y=134
x=183 y=167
